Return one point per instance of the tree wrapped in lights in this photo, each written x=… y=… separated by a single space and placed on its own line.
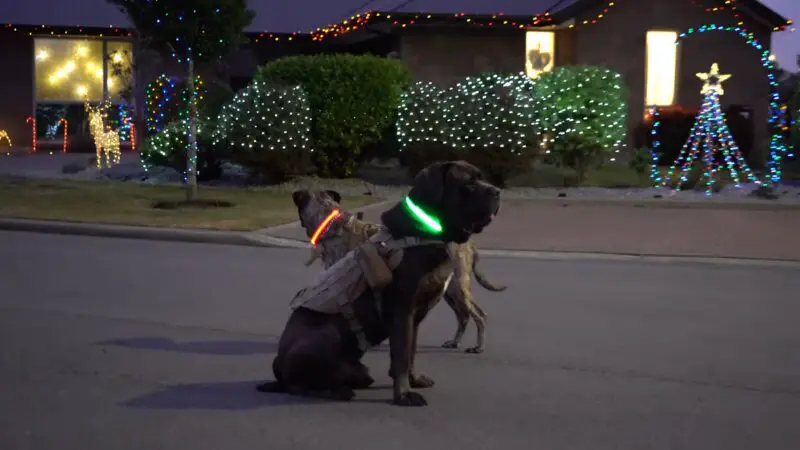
x=267 y=128
x=710 y=140
x=194 y=31
x=168 y=101
x=581 y=115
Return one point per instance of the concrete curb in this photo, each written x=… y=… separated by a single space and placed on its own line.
x=259 y=239
x=131 y=232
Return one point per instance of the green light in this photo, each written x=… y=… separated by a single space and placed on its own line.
x=431 y=223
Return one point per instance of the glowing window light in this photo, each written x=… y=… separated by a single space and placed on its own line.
x=42 y=54
x=540 y=51
x=82 y=51
x=69 y=67
x=661 y=68
x=116 y=57
x=81 y=91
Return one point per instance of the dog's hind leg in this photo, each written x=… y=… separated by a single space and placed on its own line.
x=462 y=316
x=479 y=317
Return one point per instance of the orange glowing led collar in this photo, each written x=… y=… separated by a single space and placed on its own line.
x=324 y=226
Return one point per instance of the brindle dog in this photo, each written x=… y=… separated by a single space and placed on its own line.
x=346 y=232
x=318 y=354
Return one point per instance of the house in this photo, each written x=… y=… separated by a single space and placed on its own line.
x=444 y=40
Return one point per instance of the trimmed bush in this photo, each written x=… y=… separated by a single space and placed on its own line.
x=353 y=100
x=582 y=115
x=267 y=129
x=488 y=120
x=168 y=148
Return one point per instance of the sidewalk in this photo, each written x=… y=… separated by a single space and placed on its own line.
x=724 y=231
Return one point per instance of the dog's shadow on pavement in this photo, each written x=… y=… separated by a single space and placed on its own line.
x=231 y=348
x=224 y=396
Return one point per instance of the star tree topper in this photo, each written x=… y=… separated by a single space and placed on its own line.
x=713 y=80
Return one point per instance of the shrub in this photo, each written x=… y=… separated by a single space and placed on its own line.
x=266 y=129
x=168 y=148
x=353 y=99
x=582 y=115
x=487 y=120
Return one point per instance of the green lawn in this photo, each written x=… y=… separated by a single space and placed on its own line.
x=132 y=204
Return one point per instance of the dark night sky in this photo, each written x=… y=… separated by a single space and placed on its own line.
x=304 y=15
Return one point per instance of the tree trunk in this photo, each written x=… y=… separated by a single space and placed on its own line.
x=191 y=152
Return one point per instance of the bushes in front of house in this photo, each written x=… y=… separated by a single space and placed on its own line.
x=488 y=120
x=267 y=129
x=353 y=100
x=581 y=115
x=167 y=148
x=317 y=113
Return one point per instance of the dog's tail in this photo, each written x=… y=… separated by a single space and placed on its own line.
x=272 y=387
x=481 y=278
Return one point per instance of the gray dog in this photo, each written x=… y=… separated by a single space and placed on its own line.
x=319 y=354
x=345 y=232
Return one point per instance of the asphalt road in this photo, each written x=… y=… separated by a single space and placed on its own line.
x=130 y=345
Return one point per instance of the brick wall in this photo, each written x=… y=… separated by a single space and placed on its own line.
x=16 y=86
x=444 y=56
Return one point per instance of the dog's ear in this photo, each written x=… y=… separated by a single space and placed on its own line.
x=337 y=197
x=429 y=183
x=301 y=198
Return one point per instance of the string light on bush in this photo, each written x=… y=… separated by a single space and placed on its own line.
x=579 y=105
x=711 y=135
x=264 y=120
x=488 y=111
x=777 y=149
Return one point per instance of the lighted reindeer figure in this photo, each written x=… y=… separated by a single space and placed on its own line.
x=106 y=141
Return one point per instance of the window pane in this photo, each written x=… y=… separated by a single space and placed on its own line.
x=68 y=70
x=540 y=52
x=662 y=62
x=120 y=76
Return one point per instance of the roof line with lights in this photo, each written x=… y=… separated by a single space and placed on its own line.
x=406 y=19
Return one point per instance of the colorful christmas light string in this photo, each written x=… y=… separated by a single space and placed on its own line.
x=778 y=149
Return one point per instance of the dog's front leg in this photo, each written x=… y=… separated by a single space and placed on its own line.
x=400 y=341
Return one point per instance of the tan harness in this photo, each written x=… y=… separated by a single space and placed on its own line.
x=369 y=266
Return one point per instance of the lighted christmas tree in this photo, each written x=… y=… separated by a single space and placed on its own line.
x=711 y=140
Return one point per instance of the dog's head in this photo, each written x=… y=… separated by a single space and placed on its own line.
x=313 y=206
x=455 y=193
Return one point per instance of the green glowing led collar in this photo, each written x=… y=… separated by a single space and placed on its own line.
x=429 y=222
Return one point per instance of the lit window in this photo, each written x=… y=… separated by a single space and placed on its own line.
x=540 y=51
x=71 y=70
x=662 y=65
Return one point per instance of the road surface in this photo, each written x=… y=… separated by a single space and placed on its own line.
x=130 y=345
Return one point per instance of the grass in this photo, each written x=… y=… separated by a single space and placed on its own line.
x=132 y=204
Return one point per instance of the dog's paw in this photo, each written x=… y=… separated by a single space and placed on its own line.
x=450 y=344
x=410 y=398
x=474 y=350
x=343 y=395
x=421 y=381
x=363 y=382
